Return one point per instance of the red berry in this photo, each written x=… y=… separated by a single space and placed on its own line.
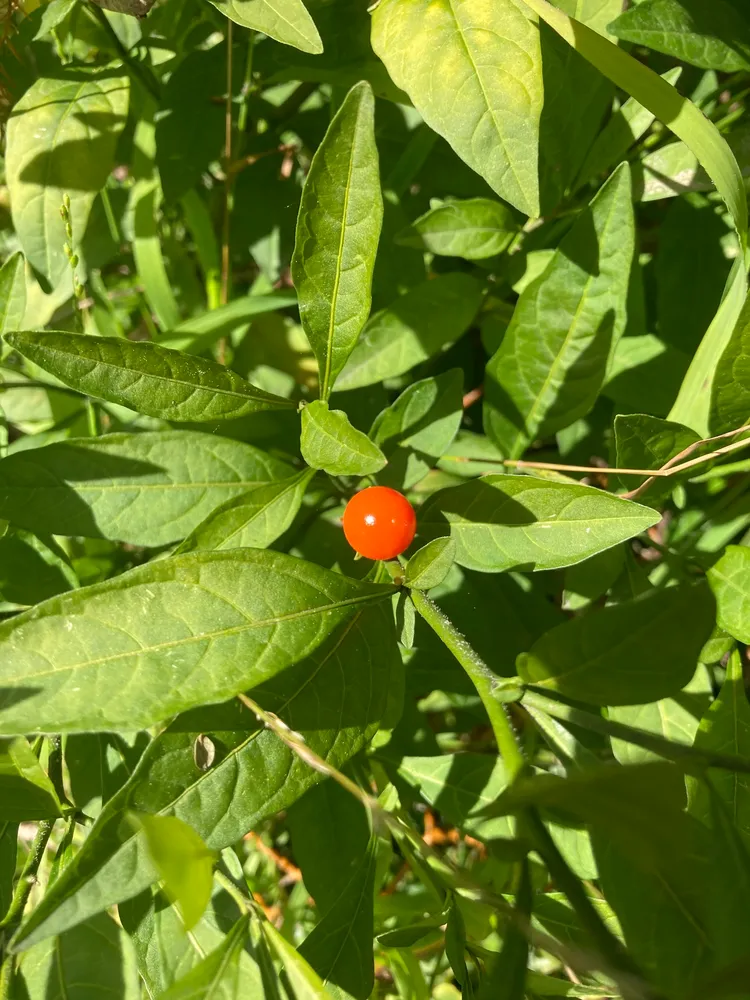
x=379 y=523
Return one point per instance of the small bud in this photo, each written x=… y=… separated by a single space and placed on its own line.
x=79 y=290
x=66 y=202
x=73 y=260
x=67 y=250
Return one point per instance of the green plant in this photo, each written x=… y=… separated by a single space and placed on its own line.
x=490 y=255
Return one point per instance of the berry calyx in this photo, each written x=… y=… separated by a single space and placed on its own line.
x=379 y=523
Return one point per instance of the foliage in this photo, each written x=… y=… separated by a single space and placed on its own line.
x=255 y=256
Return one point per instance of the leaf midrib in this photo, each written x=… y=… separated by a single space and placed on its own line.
x=261 y=397
x=208 y=637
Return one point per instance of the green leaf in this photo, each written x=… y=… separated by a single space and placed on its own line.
x=78 y=116
x=415 y=327
x=147 y=378
x=96 y=953
x=710 y=34
x=693 y=404
x=730 y=390
x=646 y=442
x=183 y=862
x=730 y=582
x=167 y=481
x=8 y=854
x=286 y=21
x=506 y=979
x=679 y=114
x=305 y=981
x=26 y=793
x=672 y=945
x=145 y=198
x=516 y=522
x=675 y=719
x=330 y=834
x=626 y=126
x=474 y=73
x=253 y=520
x=196 y=334
x=334 y=946
x=331 y=842
x=576 y=100
x=725 y=728
x=335 y=698
x=625 y=654
x=244 y=615
x=461 y=786
x=429 y=566
x=473 y=228
x=455 y=944
x=416 y=429
x=329 y=442
x=589 y=580
x=552 y=361
x=220 y=975
x=30 y=570
x=55 y=13
x=12 y=293
x=337 y=235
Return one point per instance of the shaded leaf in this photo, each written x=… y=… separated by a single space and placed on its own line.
x=646 y=442
x=725 y=728
x=334 y=947
x=416 y=429
x=461 y=786
x=329 y=442
x=12 y=293
x=220 y=976
x=26 y=793
x=115 y=656
x=96 y=953
x=430 y=565
x=474 y=73
x=166 y=481
x=331 y=841
x=516 y=522
x=253 y=520
x=415 y=327
x=80 y=116
x=730 y=392
x=730 y=582
x=147 y=378
x=552 y=362
x=30 y=570
x=625 y=654
x=337 y=235
x=335 y=698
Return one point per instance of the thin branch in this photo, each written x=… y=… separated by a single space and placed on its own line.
x=226 y=222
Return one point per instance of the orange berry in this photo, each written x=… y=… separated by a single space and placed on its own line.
x=379 y=523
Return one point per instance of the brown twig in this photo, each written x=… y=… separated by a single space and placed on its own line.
x=472 y=396
x=291 y=871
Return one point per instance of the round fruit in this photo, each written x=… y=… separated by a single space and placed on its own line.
x=379 y=523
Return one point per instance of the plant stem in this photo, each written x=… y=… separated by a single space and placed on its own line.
x=54 y=768
x=225 y=229
x=481 y=676
x=27 y=878
x=144 y=74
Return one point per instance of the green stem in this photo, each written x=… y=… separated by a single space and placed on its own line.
x=27 y=879
x=481 y=676
x=144 y=74
x=54 y=768
x=669 y=749
x=247 y=89
x=6 y=977
x=570 y=884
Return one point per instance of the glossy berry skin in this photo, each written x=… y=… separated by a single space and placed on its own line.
x=379 y=523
